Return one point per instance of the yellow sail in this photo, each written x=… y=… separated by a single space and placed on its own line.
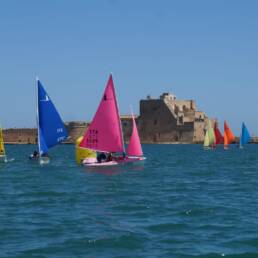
x=2 y=150
x=206 y=139
x=81 y=153
x=212 y=138
x=209 y=139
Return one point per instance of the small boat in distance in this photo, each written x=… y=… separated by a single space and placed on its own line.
x=134 y=148
x=3 y=157
x=209 y=138
x=244 y=137
x=105 y=135
x=51 y=129
x=228 y=136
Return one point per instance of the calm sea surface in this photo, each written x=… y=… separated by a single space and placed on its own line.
x=182 y=202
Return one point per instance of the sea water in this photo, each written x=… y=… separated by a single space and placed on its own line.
x=182 y=201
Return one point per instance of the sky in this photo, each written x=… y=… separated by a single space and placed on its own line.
x=202 y=50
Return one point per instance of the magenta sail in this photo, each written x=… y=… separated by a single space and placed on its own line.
x=104 y=133
x=134 y=148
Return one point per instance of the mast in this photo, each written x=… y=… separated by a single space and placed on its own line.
x=37 y=113
x=120 y=124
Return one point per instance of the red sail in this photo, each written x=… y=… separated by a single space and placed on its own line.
x=218 y=135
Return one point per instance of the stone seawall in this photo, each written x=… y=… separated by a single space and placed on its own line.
x=30 y=135
x=20 y=136
x=75 y=130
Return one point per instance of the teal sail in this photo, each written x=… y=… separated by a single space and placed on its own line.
x=51 y=129
x=245 y=135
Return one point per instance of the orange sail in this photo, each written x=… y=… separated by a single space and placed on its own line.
x=225 y=140
x=228 y=135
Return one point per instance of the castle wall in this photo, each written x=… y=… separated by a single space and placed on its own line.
x=199 y=129
x=127 y=127
x=75 y=130
x=183 y=105
x=157 y=123
x=21 y=135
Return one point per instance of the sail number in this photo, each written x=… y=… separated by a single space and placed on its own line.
x=59 y=130
x=60 y=139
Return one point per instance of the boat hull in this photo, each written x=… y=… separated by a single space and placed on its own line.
x=44 y=160
x=3 y=158
x=115 y=162
x=134 y=159
x=100 y=164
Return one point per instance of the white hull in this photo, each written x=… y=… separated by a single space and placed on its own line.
x=44 y=160
x=134 y=158
x=3 y=158
x=100 y=164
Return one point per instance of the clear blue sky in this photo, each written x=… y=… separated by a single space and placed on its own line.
x=201 y=50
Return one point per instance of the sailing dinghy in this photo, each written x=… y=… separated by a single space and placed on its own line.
x=51 y=129
x=245 y=136
x=104 y=133
x=209 y=138
x=228 y=136
x=134 y=149
x=3 y=157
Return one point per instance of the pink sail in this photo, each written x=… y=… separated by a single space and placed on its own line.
x=104 y=133
x=134 y=148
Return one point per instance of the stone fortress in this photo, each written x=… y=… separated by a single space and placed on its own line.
x=161 y=120
x=168 y=120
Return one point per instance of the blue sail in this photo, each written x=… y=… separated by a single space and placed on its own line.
x=245 y=136
x=51 y=129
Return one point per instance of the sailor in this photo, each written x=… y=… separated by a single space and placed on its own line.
x=101 y=157
x=35 y=155
x=109 y=157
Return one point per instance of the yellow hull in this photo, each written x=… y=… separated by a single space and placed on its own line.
x=81 y=153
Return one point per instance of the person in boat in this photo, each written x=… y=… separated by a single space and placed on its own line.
x=121 y=157
x=109 y=157
x=34 y=155
x=101 y=157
